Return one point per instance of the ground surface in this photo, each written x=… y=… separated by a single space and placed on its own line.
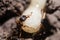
x=10 y=30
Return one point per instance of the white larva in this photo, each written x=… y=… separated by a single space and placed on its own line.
x=34 y=15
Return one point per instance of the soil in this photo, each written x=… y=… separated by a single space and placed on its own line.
x=10 y=30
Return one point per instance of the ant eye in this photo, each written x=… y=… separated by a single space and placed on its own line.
x=23 y=18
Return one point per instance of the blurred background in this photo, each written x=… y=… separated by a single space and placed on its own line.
x=10 y=30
